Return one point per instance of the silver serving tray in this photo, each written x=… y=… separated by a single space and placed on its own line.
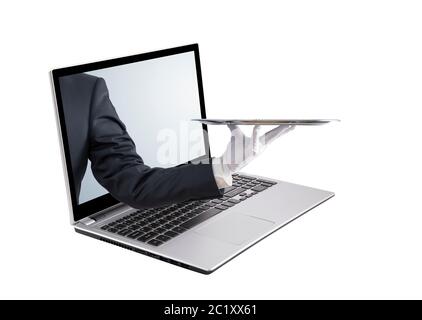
x=269 y=122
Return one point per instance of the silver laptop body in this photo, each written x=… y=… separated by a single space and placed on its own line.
x=264 y=206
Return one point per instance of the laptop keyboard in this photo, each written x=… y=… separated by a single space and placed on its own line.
x=158 y=225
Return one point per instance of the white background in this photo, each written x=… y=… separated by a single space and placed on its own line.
x=359 y=61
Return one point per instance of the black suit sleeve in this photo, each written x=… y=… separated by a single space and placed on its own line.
x=119 y=169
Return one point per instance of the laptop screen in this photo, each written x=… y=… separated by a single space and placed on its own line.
x=154 y=97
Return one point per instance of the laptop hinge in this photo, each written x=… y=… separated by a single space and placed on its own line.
x=87 y=221
x=93 y=218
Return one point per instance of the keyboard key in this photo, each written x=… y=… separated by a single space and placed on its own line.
x=259 y=188
x=125 y=232
x=154 y=242
x=228 y=189
x=105 y=227
x=227 y=204
x=171 y=234
x=198 y=210
x=145 y=229
x=191 y=214
x=221 y=207
x=235 y=192
x=200 y=218
x=142 y=223
x=168 y=226
x=147 y=236
x=266 y=184
x=134 y=235
x=160 y=230
x=112 y=230
x=217 y=201
x=163 y=238
x=154 y=225
x=180 y=229
x=180 y=214
x=178 y=221
x=233 y=201
x=266 y=181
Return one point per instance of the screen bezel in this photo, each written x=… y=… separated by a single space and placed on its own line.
x=106 y=201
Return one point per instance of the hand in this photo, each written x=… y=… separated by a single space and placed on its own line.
x=242 y=150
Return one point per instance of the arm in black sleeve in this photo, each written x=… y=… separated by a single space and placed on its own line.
x=119 y=169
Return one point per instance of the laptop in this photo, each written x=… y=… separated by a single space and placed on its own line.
x=156 y=95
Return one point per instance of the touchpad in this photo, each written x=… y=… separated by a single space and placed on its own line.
x=235 y=228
